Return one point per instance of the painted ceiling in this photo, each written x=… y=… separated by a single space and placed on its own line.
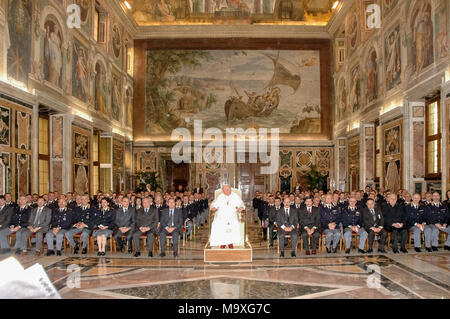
x=181 y=12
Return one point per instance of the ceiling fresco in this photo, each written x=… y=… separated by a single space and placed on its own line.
x=180 y=12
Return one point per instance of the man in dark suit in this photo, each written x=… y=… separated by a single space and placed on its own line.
x=6 y=212
x=159 y=205
x=39 y=224
x=395 y=223
x=287 y=221
x=274 y=209
x=309 y=226
x=125 y=222
x=373 y=223
x=146 y=224
x=171 y=224
x=256 y=204
x=9 y=202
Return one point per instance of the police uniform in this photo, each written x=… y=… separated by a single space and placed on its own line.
x=87 y=215
x=20 y=218
x=62 y=218
x=105 y=217
x=435 y=213
x=330 y=214
x=352 y=216
x=415 y=215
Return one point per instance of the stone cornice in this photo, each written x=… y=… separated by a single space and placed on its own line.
x=232 y=31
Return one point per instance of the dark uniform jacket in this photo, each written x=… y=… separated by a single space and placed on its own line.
x=106 y=218
x=329 y=215
x=52 y=204
x=351 y=217
x=369 y=220
x=414 y=215
x=20 y=217
x=149 y=219
x=63 y=219
x=309 y=220
x=87 y=216
x=5 y=216
x=12 y=204
x=436 y=214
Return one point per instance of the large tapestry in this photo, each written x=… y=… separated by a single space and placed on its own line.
x=233 y=88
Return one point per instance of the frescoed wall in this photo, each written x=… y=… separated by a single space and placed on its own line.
x=19 y=39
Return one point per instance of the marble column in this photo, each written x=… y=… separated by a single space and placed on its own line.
x=67 y=153
x=35 y=147
x=415 y=150
x=367 y=169
x=445 y=145
x=56 y=153
x=341 y=163
x=3 y=44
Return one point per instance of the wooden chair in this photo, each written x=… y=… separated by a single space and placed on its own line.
x=285 y=237
x=410 y=233
x=323 y=243
x=90 y=246
x=356 y=241
x=168 y=239
x=114 y=244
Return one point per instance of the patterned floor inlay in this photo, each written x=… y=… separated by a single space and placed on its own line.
x=221 y=288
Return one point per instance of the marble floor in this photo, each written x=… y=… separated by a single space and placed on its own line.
x=120 y=275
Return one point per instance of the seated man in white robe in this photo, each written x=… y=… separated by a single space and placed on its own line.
x=225 y=229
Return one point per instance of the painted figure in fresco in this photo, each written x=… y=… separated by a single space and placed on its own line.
x=353 y=30
x=163 y=11
x=354 y=92
x=19 y=39
x=53 y=54
x=116 y=99
x=441 y=38
x=129 y=104
x=116 y=41
x=372 y=76
x=423 y=38
x=393 y=65
x=342 y=101
x=81 y=72
x=100 y=89
x=145 y=13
